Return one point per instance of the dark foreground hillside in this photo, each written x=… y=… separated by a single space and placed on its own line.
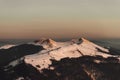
x=82 y=68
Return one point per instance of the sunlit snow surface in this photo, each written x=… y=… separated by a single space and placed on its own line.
x=59 y=50
x=7 y=46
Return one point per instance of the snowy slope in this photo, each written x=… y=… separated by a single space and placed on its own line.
x=7 y=46
x=60 y=50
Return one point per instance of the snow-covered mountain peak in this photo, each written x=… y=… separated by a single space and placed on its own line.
x=81 y=40
x=92 y=46
x=46 y=42
x=70 y=49
x=85 y=40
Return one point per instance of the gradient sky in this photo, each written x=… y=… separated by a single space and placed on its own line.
x=59 y=19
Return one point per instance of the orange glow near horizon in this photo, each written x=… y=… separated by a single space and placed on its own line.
x=61 y=29
x=24 y=19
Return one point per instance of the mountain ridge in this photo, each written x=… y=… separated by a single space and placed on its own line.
x=72 y=50
x=46 y=59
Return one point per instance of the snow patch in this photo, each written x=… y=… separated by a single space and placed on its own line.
x=6 y=46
